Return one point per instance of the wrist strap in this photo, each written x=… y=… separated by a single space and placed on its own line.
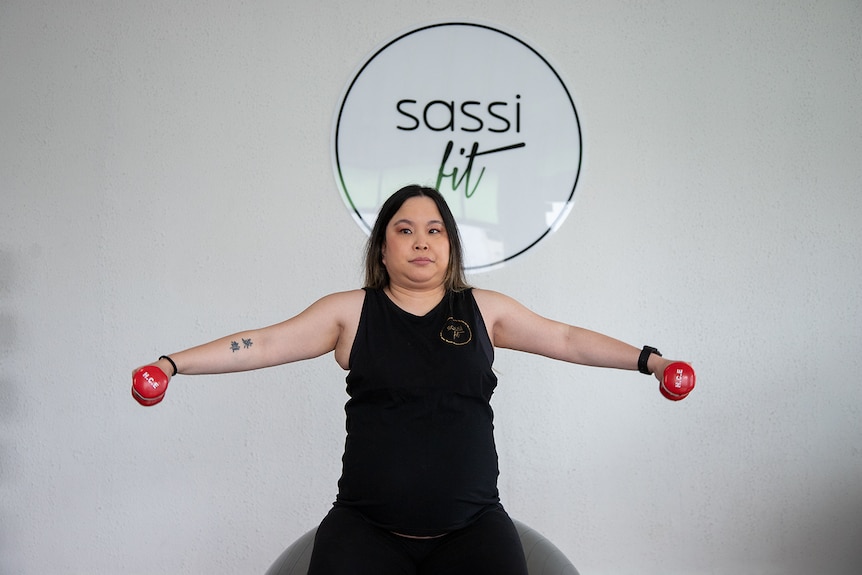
x=170 y=361
x=643 y=359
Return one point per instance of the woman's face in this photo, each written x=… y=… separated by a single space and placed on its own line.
x=416 y=249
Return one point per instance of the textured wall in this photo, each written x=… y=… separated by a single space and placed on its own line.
x=166 y=179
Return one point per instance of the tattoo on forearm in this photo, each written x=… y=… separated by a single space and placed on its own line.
x=246 y=343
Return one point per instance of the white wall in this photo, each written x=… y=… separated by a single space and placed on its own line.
x=166 y=179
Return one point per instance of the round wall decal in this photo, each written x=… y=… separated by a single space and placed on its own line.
x=476 y=113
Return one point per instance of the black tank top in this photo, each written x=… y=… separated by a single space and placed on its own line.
x=419 y=457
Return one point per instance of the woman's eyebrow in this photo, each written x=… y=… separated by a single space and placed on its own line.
x=410 y=222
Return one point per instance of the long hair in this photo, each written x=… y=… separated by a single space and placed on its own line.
x=376 y=275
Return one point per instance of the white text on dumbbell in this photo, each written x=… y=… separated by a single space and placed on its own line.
x=150 y=380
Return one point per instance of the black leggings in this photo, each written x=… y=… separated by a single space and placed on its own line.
x=346 y=544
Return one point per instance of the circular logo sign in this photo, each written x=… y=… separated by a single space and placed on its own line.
x=477 y=114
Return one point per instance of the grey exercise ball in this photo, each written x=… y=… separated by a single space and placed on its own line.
x=543 y=557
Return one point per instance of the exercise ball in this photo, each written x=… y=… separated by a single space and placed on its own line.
x=543 y=557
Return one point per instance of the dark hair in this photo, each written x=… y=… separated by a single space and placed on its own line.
x=376 y=275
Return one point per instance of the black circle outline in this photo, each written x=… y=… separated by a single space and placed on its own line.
x=475 y=25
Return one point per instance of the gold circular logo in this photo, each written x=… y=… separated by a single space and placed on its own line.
x=456 y=332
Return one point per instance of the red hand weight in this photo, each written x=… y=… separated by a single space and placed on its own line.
x=149 y=385
x=677 y=381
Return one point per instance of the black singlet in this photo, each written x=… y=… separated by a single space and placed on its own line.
x=419 y=458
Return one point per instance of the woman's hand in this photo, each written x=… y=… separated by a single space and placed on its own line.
x=162 y=364
x=150 y=382
x=657 y=365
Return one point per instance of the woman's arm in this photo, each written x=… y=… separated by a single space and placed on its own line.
x=313 y=332
x=511 y=325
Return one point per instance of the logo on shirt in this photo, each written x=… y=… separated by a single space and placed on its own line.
x=456 y=332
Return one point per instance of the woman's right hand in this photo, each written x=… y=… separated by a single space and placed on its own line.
x=150 y=382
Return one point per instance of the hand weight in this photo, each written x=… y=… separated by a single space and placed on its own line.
x=149 y=385
x=677 y=381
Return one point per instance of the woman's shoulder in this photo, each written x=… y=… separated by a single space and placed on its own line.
x=486 y=297
x=492 y=304
x=349 y=298
x=338 y=304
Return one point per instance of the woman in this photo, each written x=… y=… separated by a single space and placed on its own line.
x=418 y=491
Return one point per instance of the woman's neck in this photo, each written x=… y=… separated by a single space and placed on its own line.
x=413 y=300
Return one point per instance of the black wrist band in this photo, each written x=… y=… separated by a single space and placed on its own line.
x=170 y=361
x=644 y=358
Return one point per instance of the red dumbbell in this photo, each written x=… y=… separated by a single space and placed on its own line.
x=149 y=385
x=677 y=381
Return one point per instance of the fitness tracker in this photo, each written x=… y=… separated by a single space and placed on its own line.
x=644 y=358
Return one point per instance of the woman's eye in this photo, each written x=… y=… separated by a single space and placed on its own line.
x=405 y=231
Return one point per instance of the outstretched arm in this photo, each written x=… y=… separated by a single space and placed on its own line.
x=313 y=332
x=511 y=325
